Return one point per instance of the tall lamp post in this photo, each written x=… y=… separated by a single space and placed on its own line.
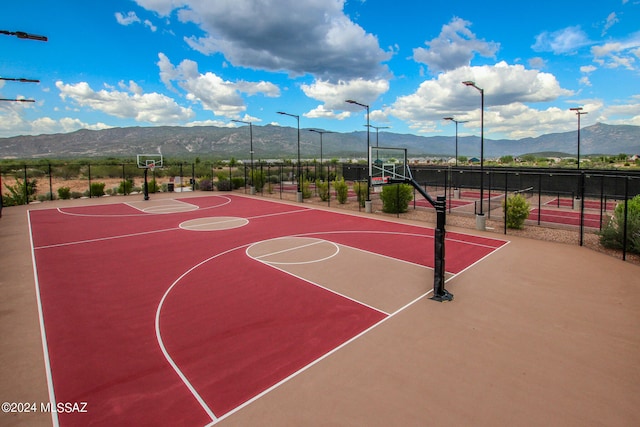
x=480 y=219
x=579 y=112
x=456 y=122
x=252 y=188
x=299 y=194
x=320 y=132
x=368 y=201
x=377 y=128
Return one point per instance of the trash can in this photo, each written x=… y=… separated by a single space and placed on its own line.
x=170 y=187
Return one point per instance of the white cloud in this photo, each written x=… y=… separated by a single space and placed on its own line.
x=454 y=47
x=537 y=63
x=295 y=36
x=612 y=19
x=334 y=94
x=132 y=18
x=16 y=123
x=565 y=41
x=619 y=53
x=151 y=107
x=161 y=7
x=222 y=97
x=504 y=86
x=320 y=112
x=128 y=19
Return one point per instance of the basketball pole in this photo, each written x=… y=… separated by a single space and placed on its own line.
x=146 y=184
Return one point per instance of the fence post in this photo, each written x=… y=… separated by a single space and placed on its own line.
x=626 y=210
x=582 y=184
x=539 y=197
x=26 y=187
x=89 y=174
x=50 y=184
x=506 y=193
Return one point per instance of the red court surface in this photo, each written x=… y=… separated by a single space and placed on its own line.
x=175 y=318
x=588 y=204
x=565 y=217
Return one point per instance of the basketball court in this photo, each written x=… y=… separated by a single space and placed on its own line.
x=232 y=310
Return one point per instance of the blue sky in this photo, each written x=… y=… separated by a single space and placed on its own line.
x=125 y=63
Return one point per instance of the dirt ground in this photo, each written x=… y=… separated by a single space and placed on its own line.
x=539 y=333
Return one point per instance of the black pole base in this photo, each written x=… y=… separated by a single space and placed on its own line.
x=446 y=296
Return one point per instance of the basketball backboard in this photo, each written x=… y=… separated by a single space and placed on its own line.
x=149 y=161
x=388 y=164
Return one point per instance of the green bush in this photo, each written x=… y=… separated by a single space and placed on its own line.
x=259 y=179
x=64 y=193
x=237 y=182
x=342 y=190
x=323 y=190
x=97 y=189
x=360 y=187
x=21 y=193
x=306 y=190
x=612 y=234
x=396 y=198
x=125 y=187
x=518 y=210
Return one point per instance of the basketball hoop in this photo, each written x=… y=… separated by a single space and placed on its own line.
x=151 y=166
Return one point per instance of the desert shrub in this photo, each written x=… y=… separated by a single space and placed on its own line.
x=323 y=190
x=152 y=186
x=224 y=185
x=237 y=182
x=64 y=193
x=612 y=234
x=47 y=196
x=125 y=187
x=205 y=185
x=396 y=198
x=21 y=193
x=342 y=190
x=97 y=189
x=517 y=211
x=360 y=188
x=259 y=179
x=306 y=190
x=76 y=194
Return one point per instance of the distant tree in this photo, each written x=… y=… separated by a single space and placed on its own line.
x=506 y=159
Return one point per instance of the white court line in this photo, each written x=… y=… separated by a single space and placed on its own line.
x=228 y=200
x=319 y=241
x=122 y=236
x=43 y=334
x=167 y=204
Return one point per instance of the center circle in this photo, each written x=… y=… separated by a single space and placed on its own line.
x=214 y=223
x=293 y=250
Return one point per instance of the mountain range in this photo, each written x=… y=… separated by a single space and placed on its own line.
x=276 y=142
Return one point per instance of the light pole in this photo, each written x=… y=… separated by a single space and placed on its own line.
x=456 y=122
x=368 y=201
x=321 y=132
x=579 y=112
x=480 y=220
x=299 y=195
x=252 y=188
x=377 y=128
